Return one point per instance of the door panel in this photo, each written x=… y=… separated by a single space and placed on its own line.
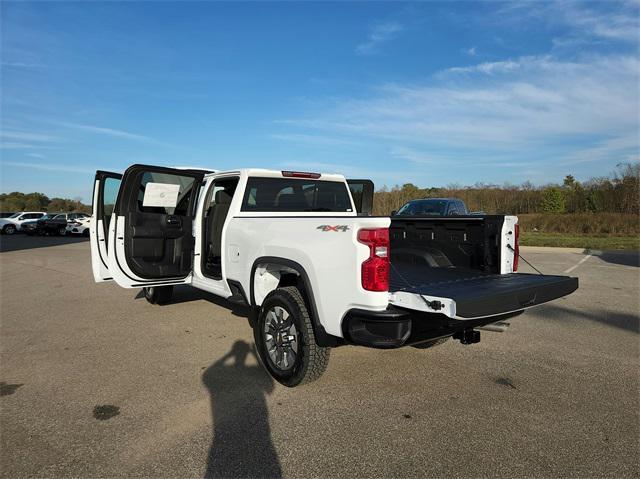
x=153 y=237
x=105 y=191
x=362 y=193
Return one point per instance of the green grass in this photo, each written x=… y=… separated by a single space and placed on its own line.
x=580 y=241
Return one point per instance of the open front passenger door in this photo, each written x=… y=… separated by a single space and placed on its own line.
x=151 y=236
x=105 y=190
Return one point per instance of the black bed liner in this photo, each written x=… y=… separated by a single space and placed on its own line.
x=477 y=293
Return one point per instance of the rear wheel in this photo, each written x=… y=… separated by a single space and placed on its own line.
x=9 y=229
x=86 y=232
x=158 y=294
x=285 y=340
x=62 y=230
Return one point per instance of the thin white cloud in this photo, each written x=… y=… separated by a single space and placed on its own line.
x=472 y=52
x=17 y=145
x=419 y=157
x=28 y=136
x=422 y=157
x=48 y=167
x=378 y=35
x=310 y=139
x=519 y=105
x=36 y=155
x=102 y=130
x=623 y=148
x=617 y=20
x=21 y=65
x=488 y=68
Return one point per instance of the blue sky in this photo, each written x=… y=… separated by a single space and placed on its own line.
x=429 y=93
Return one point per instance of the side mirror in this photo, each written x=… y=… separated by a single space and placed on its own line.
x=393 y=213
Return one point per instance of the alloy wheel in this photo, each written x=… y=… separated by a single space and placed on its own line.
x=281 y=338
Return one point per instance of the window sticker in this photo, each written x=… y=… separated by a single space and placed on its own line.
x=161 y=194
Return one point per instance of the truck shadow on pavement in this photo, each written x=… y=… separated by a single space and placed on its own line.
x=628 y=322
x=19 y=242
x=186 y=294
x=624 y=258
x=241 y=445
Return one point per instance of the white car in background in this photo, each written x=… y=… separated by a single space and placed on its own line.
x=14 y=222
x=79 y=226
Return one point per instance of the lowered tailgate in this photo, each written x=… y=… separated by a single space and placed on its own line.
x=467 y=294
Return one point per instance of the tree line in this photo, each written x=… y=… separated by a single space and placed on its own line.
x=16 y=201
x=616 y=193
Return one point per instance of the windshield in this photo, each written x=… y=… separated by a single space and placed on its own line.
x=47 y=217
x=15 y=215
x=424 y=208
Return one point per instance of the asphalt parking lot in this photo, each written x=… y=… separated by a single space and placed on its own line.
x=96 y=382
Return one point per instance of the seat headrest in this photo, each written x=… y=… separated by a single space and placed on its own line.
x=223 y=197
x=290 y=201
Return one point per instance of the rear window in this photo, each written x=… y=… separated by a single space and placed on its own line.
x=295 y=195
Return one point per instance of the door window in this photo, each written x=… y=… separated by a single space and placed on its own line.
x=109 y=194
x=362 y=194
x=165 y=193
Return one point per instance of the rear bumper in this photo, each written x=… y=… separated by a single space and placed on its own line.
x=396 y=327
x=389 y=328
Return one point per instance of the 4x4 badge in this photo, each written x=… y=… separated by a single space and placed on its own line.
x=342 y=228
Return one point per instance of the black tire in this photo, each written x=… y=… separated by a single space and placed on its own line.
x=62 y=230
x=158 y=294
x=85 y=233
x=9 y=229
x=431 y=344
x=310 y=360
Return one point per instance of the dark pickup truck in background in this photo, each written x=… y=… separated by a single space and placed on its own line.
x=435 y=207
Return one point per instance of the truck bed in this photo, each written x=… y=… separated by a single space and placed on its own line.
x=477 y=293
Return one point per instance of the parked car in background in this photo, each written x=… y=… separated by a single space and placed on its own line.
x=30 y=227
x=433 y=207
x=57 y=223
x=13 y=223
x=79 y=226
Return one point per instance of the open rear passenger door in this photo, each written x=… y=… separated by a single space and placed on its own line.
x=151 y=239
x=362 y=194
x=105 y=191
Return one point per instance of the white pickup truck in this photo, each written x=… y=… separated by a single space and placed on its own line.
x=302 y=251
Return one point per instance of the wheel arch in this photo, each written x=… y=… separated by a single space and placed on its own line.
x=291 y=273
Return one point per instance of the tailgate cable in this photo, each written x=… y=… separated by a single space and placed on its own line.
x=520 y=256
x=435 y=304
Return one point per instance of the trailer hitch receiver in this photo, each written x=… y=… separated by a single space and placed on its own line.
x=467 y=336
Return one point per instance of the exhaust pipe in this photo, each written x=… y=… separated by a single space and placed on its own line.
x=497 y=327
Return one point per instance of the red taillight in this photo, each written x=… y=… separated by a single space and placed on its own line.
x=516 y=246
x=300 y=174
x=375 y=270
